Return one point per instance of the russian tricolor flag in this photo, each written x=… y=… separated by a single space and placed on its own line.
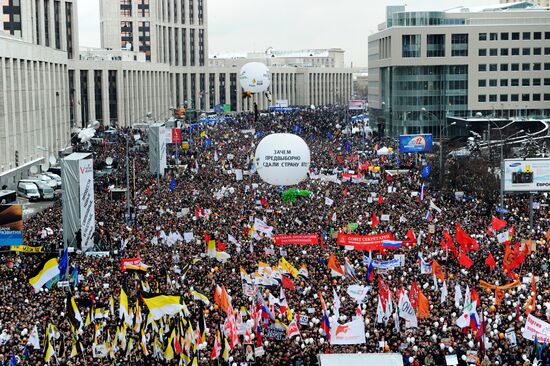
x=428 y=216
x=392 y=244
x=422 y=192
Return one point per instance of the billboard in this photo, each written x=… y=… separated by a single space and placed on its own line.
x=415 y=143
x=357 y=104
x=527 y=175
x=11 y=225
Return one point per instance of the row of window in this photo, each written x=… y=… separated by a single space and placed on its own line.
x=514 y=82
x=126 y=8
x=514 y=97
x=526 y=51
x=536 y=66
x=514 y=36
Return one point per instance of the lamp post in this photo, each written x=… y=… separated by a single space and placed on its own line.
x=441 y=129
x=502 y=143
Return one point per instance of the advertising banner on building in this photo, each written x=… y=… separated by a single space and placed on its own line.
x=296 y=239
x=357 y=105
x=11 y=225
x=415 y=143
x=526 y=175
x=349 y=333
x=87 y=207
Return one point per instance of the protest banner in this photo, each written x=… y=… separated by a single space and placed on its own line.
x=296 y=239
x=364 y=242
x=536 y=327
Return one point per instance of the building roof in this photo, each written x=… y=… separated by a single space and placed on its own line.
x=323 y=52
x=520 y=5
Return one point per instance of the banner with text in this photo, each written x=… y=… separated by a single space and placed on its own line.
x=11 y=225
x=536 y=327
x=87 y=207
x=364 y=242
x=296 y=239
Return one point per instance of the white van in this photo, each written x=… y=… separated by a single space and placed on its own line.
x=44 y=178
x=28 y=190
x=46 y=192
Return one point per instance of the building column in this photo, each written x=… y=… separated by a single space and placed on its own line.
x=105 y=97
x=217 y=89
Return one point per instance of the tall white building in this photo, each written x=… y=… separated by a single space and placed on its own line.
x=154 y=57
x=38 y=39
x=455 y=63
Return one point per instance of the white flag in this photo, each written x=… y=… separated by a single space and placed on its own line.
x=436 y=287
x=467 y=296
x=34 y=340
x=433 y=206
x=336 y=302
x=469 y=312
x=358 y=292
x=188 y=237
x=444 y=292
x=503 y=237
x=349 y=333
x=407 y=312
x=263 y=227
x=458 y=296
x=328 y=201
x=379 y=311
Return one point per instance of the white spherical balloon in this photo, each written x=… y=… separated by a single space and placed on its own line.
x=282 y=159
x=255 y=77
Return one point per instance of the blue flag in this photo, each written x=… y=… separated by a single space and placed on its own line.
x=64 y=263
x=370 y=276
x=501 y=210
x=207 y=142
x=329 y=135
x=297 y=129
x=426 y=171
x=13 y=360
x=26 y=353
x=172 y=184
x=75 y=275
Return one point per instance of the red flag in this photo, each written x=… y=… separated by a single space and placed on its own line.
x=221 y=246
x=415 y=291
x=410 y=235
x=449 y=243
x=206 y=237
x=498 y=223
x=489 y=231
x=465 y=261
x=490 y=261
x=340 y=160
x=383 y=291
x=263 y=201
x=380 y=199
x=375 y=221
x=288 y=283
x=465 y=241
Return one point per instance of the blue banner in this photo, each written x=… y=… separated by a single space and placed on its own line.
x=415 y=143
x=11 y=225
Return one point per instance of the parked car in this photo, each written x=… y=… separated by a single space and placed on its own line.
x=46 y=192
x=7 y=196
x=28 y=190
x=55 y=177
x=44 y=178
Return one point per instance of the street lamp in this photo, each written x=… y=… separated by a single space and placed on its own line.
x=441 y=129
x=502 y=143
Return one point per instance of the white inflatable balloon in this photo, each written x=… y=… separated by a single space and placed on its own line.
x=255 y=77
x=282 y=159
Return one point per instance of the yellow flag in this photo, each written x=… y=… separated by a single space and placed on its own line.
x=288 y=267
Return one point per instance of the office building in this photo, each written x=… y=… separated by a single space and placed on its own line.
x=455 y=63
x=154 y=57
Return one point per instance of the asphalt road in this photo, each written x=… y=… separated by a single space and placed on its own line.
x=32 y=208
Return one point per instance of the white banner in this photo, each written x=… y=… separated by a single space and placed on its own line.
x=536 y=327
x=349 y=333
x=87 y=207
x=358 y=292
x=162 y=149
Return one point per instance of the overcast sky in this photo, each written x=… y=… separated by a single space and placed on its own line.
x=255 y=25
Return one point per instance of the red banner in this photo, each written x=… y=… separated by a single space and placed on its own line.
x=364 y=242
x=133 y=262
x=296 y=239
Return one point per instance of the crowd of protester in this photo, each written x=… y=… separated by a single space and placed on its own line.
x=208 y=201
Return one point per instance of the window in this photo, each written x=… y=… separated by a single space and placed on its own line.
x=526 y=36
x=504 y=36
x=482 y=52
x=503 y=82
x=546 y=81
x=515 y=51
x=481 y=98
x=12 y=17
x=536 y=97
x=143 y=8
x=537 y=51
x=515 y=67
x=503 y=67
x=514 y=82
x=537 y=35
x=515 y=36
x=514 y=98
x=493 y=52
x=525 y=67
x=492 y=98
x=546 y=35
x=481 y=83
x=546 y=66
x=546 y=97
x=493 y=67
x=493 y=36
x=482 y=36
x=547 y=51
x=482 y=67
x=536 y=82
x=504 y=51
x=504 y=97
x=459 y=45
x=493 y=82
x=144 y=38
x=525 y=97
x=126 y=35
x=525 y=82
x=526 y=51
x=126 y=8
x=411 y=45
x=436 y=45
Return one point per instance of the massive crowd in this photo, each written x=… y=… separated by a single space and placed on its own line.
x=208 y=201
